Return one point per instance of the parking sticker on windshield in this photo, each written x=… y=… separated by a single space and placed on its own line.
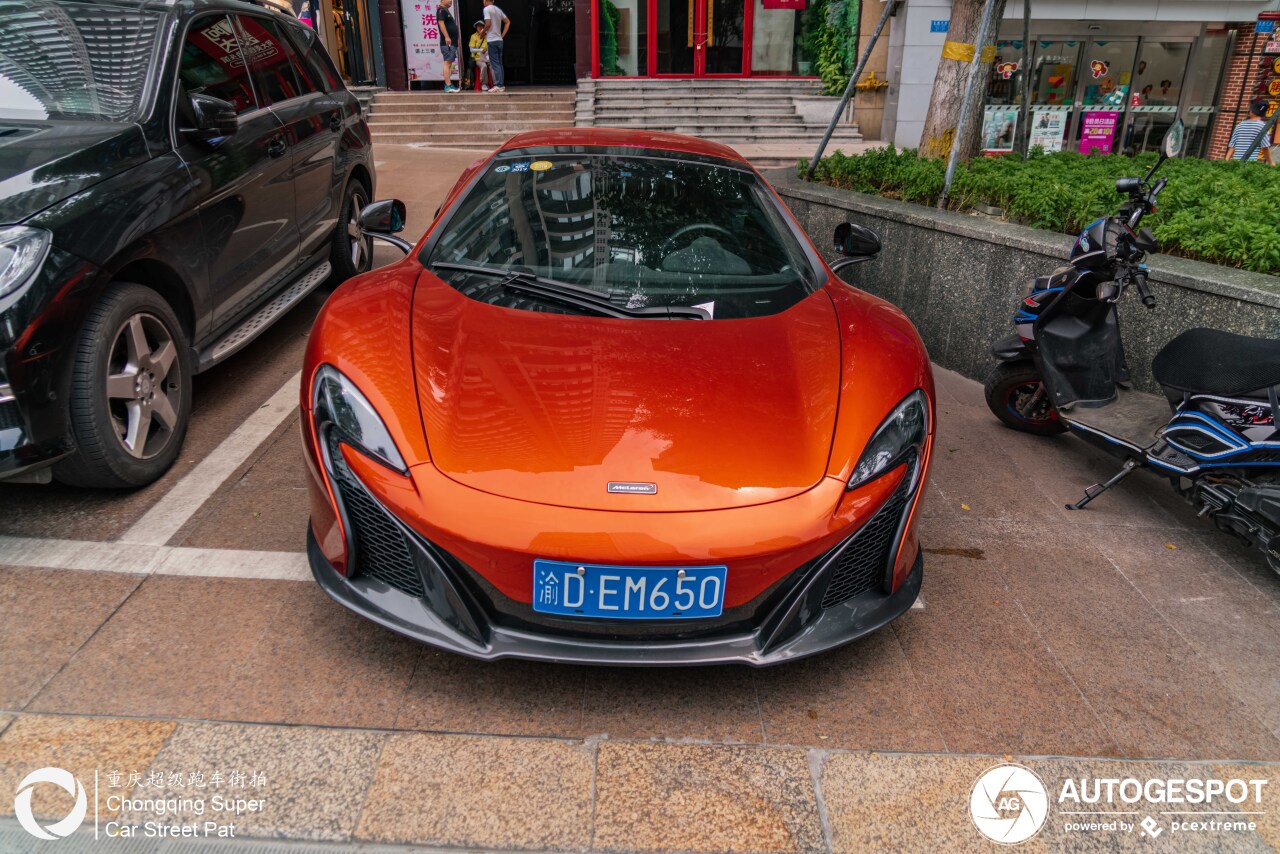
x=520 y=167
x=503 y=168
x=540 y=165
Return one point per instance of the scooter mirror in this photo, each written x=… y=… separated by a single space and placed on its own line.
x=1173 y=139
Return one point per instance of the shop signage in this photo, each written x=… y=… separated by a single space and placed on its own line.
x=1098 y=131
x=1006 y=69
x=785 y=4
x=999 y=126
x=422 y=41
x=1265 y=26
x=1048 y=127
x=1272 y=47
x=939 y=26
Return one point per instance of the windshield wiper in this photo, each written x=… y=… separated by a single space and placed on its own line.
x=577 y=296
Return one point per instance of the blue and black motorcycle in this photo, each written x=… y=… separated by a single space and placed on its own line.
x=1213 y=433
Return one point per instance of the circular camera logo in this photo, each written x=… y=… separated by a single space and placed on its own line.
x=58 y=777
x=1009 y=804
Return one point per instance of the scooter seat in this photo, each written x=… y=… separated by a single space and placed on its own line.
x=1210 y=361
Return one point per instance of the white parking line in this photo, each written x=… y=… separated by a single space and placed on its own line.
x=153 y=560
x=158 y=525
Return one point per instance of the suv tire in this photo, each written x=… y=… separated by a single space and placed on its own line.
x=350 y=253
x=130 y=391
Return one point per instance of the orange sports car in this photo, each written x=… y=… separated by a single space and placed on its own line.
x=615 y=408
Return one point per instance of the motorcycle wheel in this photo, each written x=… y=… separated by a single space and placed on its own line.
x=1009 y=387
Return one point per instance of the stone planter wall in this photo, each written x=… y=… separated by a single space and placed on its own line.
x=958 y=277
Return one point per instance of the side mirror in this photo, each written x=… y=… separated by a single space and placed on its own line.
x=382 y=219
x=385 y=216
x=855 y=243
x=1171 y=145
x=214 y=118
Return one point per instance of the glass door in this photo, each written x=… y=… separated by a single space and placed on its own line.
x=696 y=38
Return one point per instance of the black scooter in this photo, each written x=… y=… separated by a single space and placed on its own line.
x=1213 y=434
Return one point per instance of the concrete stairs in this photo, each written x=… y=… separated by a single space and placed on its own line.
x=474 y=120
x=771 y=122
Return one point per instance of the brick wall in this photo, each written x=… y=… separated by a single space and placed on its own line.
x=1243 y=74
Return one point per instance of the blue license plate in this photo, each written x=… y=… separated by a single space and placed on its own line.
x=628 y=592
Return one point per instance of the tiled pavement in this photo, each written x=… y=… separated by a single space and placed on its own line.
x=1127 y=631
x=1130 y=631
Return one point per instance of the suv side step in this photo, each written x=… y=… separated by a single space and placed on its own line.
x=258 y=322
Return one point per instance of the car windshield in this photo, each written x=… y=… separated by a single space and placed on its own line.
x=642 y=230
x=87 y=61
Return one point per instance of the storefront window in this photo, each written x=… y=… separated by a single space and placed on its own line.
x=1202 y=81
x=624 y=38
x=1157 y=85
x=675 y=36
x=1106 y=69
x=778 y=39
x=1053 y=81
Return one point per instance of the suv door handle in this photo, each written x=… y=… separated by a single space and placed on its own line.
x=276 y=146
x=335 y=122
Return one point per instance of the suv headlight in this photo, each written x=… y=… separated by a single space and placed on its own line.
x=22 y=251
x=339 y=404
x=905 y=429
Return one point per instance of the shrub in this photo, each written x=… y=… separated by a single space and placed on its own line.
x=1222 y=212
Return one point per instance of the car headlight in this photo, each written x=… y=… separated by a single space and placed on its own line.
x=22 y=251
x=905 y=429
x=341 y=406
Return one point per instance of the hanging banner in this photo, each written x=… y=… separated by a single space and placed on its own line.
x=1098 y=131
x=1048 y=128
x=422 y=41
x=999 y=125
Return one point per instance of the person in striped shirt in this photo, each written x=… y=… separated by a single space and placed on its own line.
x=1242 y=137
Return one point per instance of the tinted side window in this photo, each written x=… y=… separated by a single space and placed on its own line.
x=315 y=61
x=272 y=61
x=212 y=64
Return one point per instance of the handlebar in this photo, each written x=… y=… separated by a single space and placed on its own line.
x=1140 y=280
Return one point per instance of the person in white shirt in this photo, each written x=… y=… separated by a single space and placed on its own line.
x=496 y=24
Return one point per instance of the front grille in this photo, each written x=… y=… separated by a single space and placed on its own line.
x=861 y=566
x=380 y=547
x=10 y=417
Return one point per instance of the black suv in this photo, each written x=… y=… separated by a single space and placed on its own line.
x=174 y=176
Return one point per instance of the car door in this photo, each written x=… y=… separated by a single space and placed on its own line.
x=251 y=239
x=312 y=121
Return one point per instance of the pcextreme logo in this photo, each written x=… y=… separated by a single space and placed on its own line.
x=1009 y=804
x=58 y=777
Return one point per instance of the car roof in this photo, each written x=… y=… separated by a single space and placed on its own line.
x=614 y=137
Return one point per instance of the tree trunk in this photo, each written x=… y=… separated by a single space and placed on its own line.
x=950 y=82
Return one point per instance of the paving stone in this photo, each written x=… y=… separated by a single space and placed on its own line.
x=315 y=662
x=315 y=779
x=901 y=802
x=676 y=797
x=80 y=745
x=700 y=703
x=452 y=693
x=858 y=696
x=172 y=650
x=45 y=616
x=476 y=792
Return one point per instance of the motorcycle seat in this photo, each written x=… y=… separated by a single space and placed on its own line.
x=1210 y=361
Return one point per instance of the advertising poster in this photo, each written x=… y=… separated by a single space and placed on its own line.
x=422 y=41
x=999 y=126
x=1048 y=128
x=1098 y=131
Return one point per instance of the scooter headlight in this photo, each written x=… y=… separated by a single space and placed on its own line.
x=906 y=429
x=340 y=406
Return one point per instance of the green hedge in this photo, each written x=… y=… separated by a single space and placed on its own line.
x=1222 y=212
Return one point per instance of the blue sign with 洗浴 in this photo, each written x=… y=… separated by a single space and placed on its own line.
x=939 y=26
x=1267 y=25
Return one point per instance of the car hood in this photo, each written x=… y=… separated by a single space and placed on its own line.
x=42 y=163
x=552 y=408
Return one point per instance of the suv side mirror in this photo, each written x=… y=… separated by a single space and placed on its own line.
x=214 y=118
x=382 y=219
x=855 y=243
